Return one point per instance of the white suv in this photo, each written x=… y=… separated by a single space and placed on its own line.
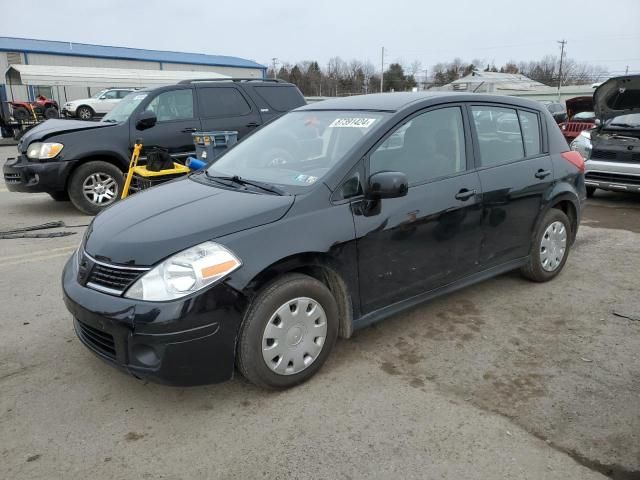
x=101 y=103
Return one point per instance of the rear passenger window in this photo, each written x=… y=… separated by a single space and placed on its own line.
x=280 y=99
x=530 y=132
x=499 y=136
x=222 y=102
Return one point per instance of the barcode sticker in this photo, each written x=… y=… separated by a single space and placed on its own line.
x=352 y=123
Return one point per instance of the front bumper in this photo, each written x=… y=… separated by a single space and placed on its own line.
x=23 y=175
x=69 y=111
x=185 y=342
x=615 y=176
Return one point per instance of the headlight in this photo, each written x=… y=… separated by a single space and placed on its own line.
x=43 y=151
x=184 y=273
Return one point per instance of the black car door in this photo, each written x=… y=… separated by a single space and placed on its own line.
x=177 y=120
x=430 y=237
x=225 y=107
x=515 y=173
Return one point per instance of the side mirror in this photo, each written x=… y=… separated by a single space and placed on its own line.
x=387 y=185
x=102 y=97
x=597 y=122
x=146 y=119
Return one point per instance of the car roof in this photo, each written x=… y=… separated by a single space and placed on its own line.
x=393 y=102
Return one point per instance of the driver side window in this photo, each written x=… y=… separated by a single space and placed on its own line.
x=112 y=95
x=429 y=146
x=173 y=105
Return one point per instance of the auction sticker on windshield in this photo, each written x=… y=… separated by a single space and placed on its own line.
x=352 y=123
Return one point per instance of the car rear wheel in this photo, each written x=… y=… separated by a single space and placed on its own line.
x=84 y=113
x=550 y=248
x=94 y=186
x=288 y=332
x=590 y=191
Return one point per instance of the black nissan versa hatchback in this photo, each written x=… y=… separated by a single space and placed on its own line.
x=332 y=217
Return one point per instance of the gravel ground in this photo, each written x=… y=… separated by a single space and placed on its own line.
x=505 y=379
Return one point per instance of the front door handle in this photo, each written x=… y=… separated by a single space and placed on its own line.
x=252 y=125
x=465 y=194
x=543 y=174
x=189 y=130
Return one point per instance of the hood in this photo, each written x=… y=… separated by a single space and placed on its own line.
x=52 y=127
x=152 y=225
x=578 y=105
x=617 y=96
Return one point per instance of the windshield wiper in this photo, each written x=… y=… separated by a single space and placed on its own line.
x=624 y=125
x=108 y=120
x=267 y=187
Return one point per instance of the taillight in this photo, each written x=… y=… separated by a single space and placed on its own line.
x=574 y=158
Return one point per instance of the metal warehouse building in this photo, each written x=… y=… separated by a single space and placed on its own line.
x=68 y=71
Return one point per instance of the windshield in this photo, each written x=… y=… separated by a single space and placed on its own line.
x=299 y=148
x=124 y=107
x=631 y=120
x=96 y=95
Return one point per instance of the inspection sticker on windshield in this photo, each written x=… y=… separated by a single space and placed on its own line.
x=352 y=123
x=140 y=97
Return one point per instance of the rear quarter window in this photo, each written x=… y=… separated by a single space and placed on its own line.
x=280 y=98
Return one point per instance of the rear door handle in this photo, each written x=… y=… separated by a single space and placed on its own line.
x=465 y=194
x=189 y=130
x=252 y=125
x=543 y=174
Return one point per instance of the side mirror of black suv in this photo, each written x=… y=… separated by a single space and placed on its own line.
x=146 y=119
x=387 y=185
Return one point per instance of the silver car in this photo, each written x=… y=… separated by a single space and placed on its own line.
x=612 y=149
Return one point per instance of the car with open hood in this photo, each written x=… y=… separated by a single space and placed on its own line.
x=612 y=148
x=330 y=218
x=580 y=116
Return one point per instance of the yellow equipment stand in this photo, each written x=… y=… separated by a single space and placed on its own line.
x=141 y=171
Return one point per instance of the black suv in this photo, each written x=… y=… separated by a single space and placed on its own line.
x=330 y=218
x=85 y=161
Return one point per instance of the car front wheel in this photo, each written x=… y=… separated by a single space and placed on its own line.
x=288 y=332
x=94 y=186
x=550 y=247
x=84 y=113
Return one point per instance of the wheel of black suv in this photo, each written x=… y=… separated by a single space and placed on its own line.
x=84 y=113
x=288 y=332
x=590 y=191
x=59 y=196
x=94 y=186
x=550 y=248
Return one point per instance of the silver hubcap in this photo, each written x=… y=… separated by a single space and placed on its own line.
x=100 y=188
x=294 y=336
x=553 y=246
x=84 y=113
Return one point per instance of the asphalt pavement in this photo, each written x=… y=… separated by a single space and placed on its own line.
x=505 y=379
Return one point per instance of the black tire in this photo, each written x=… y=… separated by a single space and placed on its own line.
x=51 y=112
x=82 y=174
x=590 y=191
x=534 y=270
x=21 y=114
x=59 y=196
x=250 y=361
x=84 y=113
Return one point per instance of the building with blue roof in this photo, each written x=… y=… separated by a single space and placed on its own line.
x=28 y=51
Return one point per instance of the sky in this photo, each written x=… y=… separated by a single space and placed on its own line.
x=495 y=31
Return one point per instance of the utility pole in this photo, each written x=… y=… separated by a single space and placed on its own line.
x=562 y=44
x=626 y=70
x=382 y=71
x=274 y=60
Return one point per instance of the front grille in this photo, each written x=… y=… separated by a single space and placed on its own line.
x=616 y=156
x=12 y=178
x=112 y=279
x=613 y=177
x=577 y=126
x=101 y=341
